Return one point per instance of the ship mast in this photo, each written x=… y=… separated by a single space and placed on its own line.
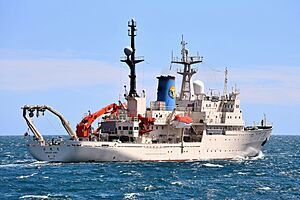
x=225 y=83
x=187 y=73
x=130 y=59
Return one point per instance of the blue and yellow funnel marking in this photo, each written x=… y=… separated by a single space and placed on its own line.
x=172 y=92
x=166 y=91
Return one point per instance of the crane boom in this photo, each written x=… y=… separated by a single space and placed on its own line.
x=83 y=129
x=145 y=123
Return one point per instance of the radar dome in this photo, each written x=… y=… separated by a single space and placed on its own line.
x=128 y=51
x=198 y=87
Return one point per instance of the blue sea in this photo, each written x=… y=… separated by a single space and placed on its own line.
x=275 y=174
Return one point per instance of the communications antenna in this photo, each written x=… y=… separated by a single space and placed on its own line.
x=225 y=83
x=187 y=73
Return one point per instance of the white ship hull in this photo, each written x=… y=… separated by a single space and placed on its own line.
x=233 y=145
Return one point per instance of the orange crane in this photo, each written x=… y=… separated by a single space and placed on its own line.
x=145 y=124
x=83 y=129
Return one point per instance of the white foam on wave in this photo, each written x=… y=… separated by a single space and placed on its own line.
x=39 y=162
x=264 y=188
x=149 y=188
x=24 y=163
x=132 y=172
x=212 y=165
x=239 y=158
x=9 y=165
x=43 y=163
x=259 y=156
x=131 y=195
x=242 y=173
x=34 y=196
x=26 y=176
x=176 y=183
x=260 y=174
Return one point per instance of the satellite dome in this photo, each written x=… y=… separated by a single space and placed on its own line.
x=198 y=87
x=128 y=51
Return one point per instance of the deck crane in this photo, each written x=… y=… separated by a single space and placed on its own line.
x=145 y=123
x=83 y=129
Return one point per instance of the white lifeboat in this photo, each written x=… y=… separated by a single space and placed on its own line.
x=181 y=121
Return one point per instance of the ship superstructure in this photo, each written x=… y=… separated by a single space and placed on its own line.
x=187 y=126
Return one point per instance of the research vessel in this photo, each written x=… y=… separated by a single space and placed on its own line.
x=188 y=125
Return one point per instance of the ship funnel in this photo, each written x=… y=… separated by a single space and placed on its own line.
x=166 y=91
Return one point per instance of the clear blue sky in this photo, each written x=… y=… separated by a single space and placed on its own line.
x=66 y=54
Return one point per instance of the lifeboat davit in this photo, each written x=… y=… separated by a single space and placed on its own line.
x=181 y=121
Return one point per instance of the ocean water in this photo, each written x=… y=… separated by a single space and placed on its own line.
x=275 y=174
